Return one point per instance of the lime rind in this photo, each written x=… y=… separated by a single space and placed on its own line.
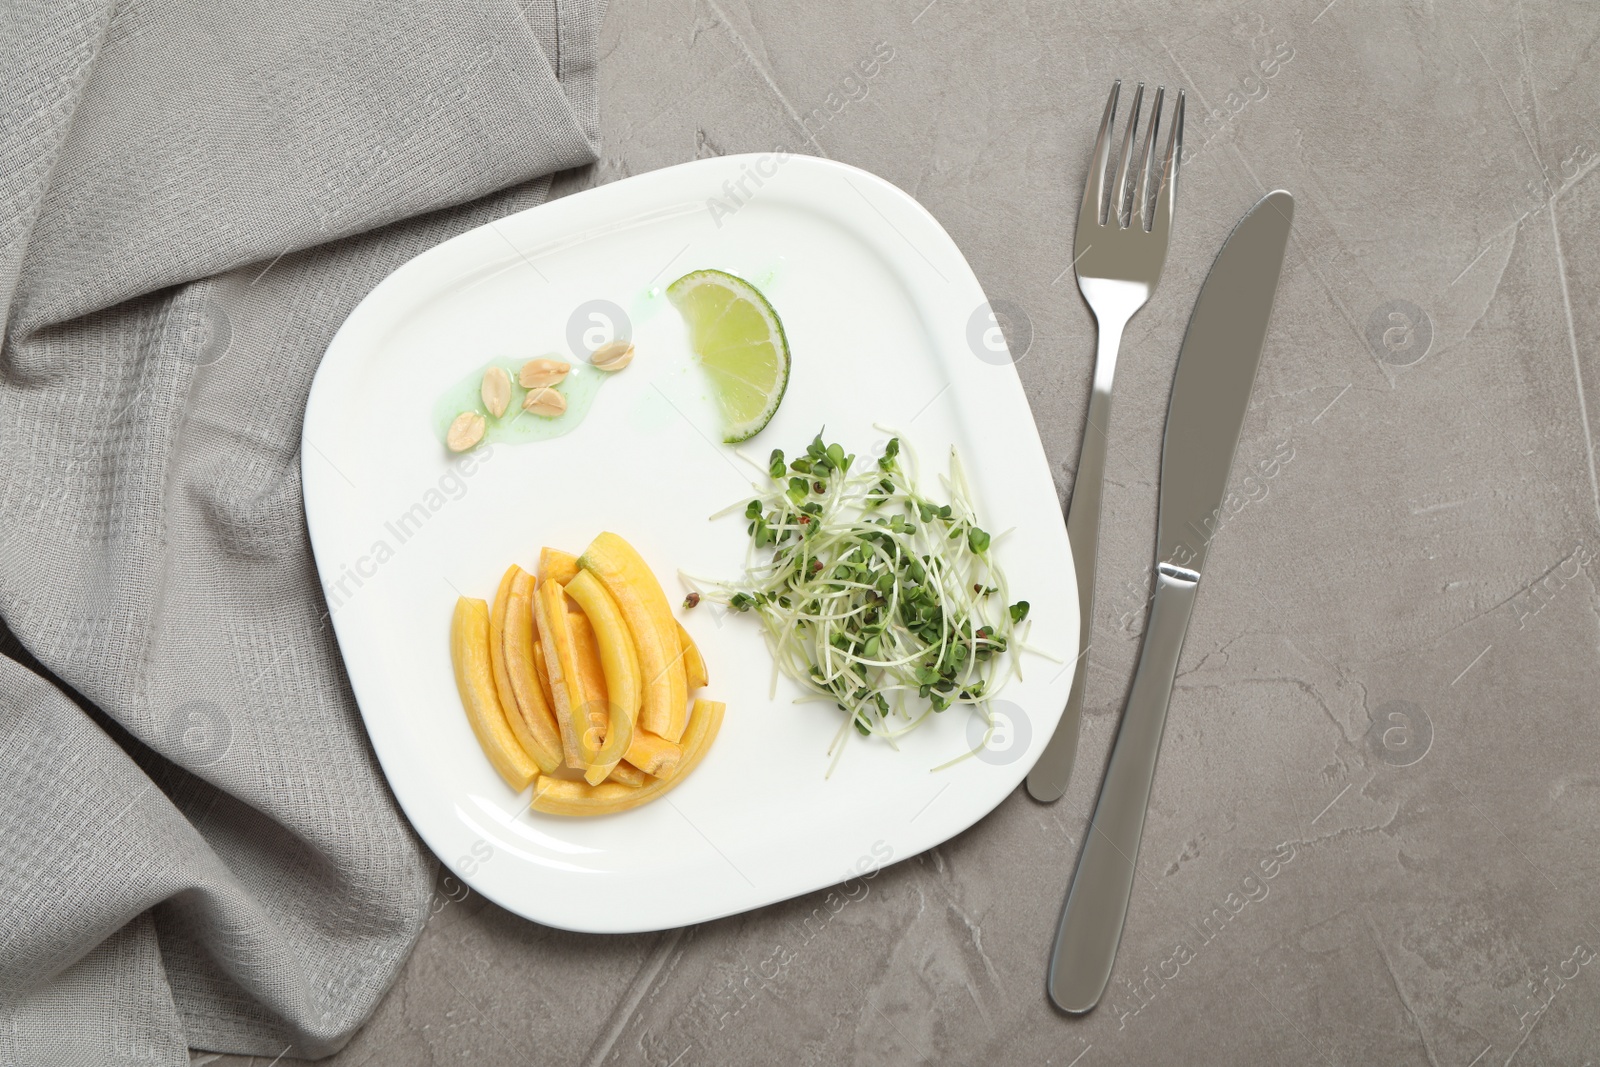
x=747 y=358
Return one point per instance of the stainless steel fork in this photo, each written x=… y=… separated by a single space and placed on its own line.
x=1118 y=255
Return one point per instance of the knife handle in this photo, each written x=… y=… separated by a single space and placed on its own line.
x=1097 y=903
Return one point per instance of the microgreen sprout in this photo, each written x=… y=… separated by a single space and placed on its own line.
x=871 y=595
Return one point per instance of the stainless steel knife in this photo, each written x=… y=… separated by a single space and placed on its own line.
x=1210 y=394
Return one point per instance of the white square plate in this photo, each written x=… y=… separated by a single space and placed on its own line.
x=886 y=324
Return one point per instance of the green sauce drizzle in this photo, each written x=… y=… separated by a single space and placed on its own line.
x=517 y=426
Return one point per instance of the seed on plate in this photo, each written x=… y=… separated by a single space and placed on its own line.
x=496 y=390
x=538 y=373
x=547 y=402
x=612 y=357
x=465 y=432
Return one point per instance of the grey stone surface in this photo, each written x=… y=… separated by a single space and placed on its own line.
x=1388 y=696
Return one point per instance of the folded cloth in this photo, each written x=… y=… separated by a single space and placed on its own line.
x=196 y=845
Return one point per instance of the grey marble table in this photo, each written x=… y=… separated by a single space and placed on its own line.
x=1375 y=832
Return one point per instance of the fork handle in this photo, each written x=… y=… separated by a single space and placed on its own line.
x=1097 y=903
x=1049 y=777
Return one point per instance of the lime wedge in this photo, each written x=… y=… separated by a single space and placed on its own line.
x=741 y=345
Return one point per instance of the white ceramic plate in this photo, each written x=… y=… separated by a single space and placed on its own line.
x=886 y=324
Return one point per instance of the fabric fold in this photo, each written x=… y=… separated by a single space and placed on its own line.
x=201 y=849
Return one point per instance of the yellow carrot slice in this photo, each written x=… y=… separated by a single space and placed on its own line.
x=611 y=633
x=694 y=665
x=560 y=797
x=529 y=714
x=655 y=634
x=625 y=773
x=469 y=652
x=653 y=755
x=497 y=646
x=557 y=566
x=561 y=665
x=619 y=664
x=598 y=711
x=538 y=664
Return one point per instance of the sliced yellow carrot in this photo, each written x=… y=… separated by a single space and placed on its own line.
x=469 y=651
x=538 y=663
x=497 y=646
x=625 y=773
x=561 y=665
x=529 y=714
x=694 y=664
x=611 y=633
x=602 y=714
x=558 y=797
x=619 y=664
x=557 y=566
x=653 y=755
x=655 y=633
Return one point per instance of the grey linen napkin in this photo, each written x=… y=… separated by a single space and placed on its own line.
x=196 y=845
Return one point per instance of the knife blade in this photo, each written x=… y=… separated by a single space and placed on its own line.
x=1211 y=389
x=1210 y=395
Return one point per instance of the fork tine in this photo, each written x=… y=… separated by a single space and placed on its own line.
x=1094 y=188
x=1120 y=205
x=1166 y=196
x=1147 y=162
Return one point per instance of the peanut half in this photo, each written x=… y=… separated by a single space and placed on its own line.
x=546 y=402
x=538 y=373
x=465 y=432
x=496 y=390
x=612 y=357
